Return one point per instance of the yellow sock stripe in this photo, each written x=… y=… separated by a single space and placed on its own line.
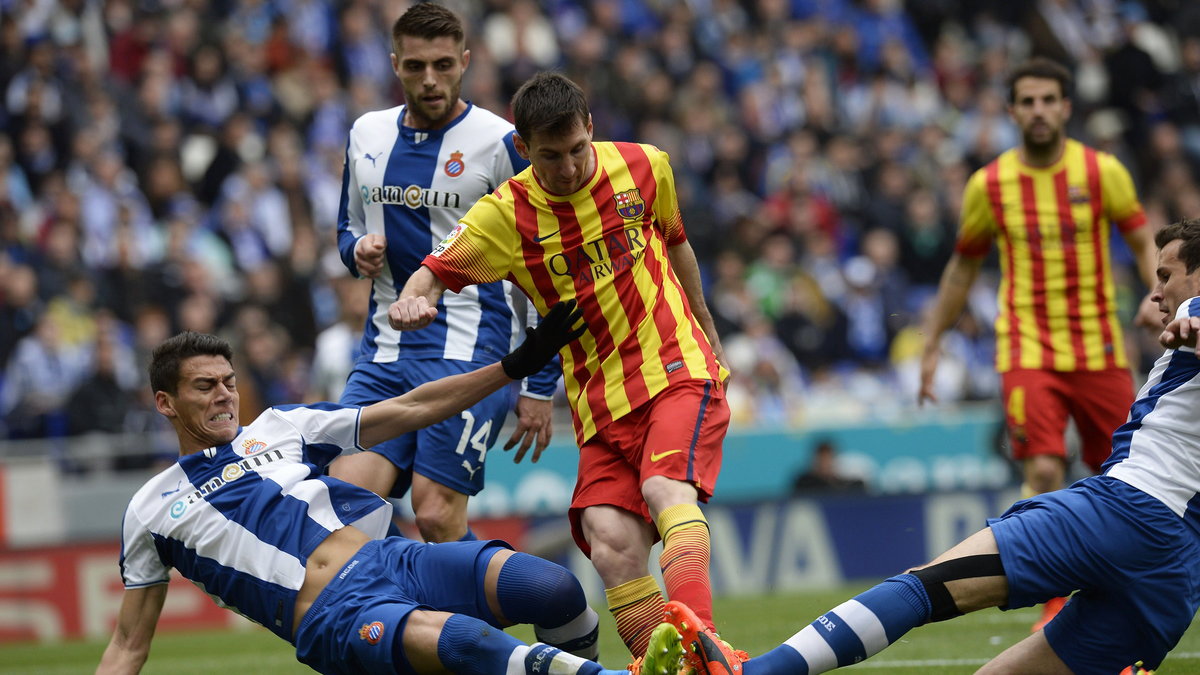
x=630 y=592
x=679 y=517
x=637 y=608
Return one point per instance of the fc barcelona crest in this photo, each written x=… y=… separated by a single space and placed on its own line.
x=630 y=204
x=454 y=166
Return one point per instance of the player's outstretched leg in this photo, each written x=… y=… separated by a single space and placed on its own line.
x=852 y=631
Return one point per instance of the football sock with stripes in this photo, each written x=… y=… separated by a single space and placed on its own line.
x=637 y=607
x=852 y=631
x=537 y=591
x=684 y=559
x=471 y=647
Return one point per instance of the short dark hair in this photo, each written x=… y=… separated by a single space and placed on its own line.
x=428 y=21
x=1043 y=68
x=548 y=102
x=168 y=356
x=1187 y=231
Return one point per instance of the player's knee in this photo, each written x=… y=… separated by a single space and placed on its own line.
x=533 y=590
x=440 y=525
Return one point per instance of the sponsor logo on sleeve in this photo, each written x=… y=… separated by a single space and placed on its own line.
x=445 y=244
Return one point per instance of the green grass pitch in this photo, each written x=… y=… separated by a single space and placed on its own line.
x=756 y=624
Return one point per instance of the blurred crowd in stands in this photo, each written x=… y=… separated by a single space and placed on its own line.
x=176 y=164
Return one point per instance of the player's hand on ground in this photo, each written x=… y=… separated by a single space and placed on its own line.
x=368 y=255
x=534 y=426
x=562 y=324
x=929 y=364
x=1148 y=314
x=1180 y=332
x=411 y=313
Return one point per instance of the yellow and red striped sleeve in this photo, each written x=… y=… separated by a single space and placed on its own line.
x=977 y=224
x=481 y=248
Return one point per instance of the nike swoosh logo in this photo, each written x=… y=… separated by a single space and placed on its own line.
x=538 y=240
x=655 y=456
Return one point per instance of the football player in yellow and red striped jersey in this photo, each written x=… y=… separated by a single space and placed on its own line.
x=1049 y=204
x=600 y=223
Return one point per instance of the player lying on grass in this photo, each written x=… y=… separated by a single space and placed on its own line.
x=1126 y=540
x=247 y=515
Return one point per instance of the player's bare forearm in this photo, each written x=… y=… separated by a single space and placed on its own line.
x=1145 y=253
x=955 y=286
x=417 y=305
x=687 y=270
x=130 y=644
x=435 y=401
x=953 y=289
x=429 y=403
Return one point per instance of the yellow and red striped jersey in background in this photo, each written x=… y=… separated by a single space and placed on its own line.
x=1057 y=298
x=606 y=245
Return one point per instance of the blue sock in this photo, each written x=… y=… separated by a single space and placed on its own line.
x=393 y=529
x=469 y=536
x=852 y=631
x=537 y=591
x=469 y=646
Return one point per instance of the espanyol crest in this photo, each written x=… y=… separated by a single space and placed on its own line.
x=630 y=204
x=371 y=632
x=454 y=166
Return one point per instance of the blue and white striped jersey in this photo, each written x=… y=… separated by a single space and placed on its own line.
x=1158 y=449
x=240 y=520
x=412 y=186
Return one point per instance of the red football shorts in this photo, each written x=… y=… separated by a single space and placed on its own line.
x=676 y=434
x=1037 y=404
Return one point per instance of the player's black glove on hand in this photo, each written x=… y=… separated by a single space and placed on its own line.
x=543 y=342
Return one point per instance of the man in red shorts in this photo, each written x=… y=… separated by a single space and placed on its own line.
x=600 y=222
x=1050 y=203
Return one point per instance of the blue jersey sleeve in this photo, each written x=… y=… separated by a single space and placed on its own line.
x=348 y=231
x=543 y=383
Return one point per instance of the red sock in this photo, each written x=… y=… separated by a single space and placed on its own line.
x=684 y=559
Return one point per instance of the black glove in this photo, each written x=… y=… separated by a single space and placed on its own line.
x=543 y=342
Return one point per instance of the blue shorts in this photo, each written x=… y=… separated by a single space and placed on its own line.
x=1135 y=564
x=355 y=624
x=450 y=452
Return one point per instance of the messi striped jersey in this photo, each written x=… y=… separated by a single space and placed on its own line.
x=605 y=245
x=412 y=186
x=240 y=520
x=1156 y=450
x=1057 y=298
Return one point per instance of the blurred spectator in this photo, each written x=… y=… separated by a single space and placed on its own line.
x=20 y=306
x=39 y=377
x=769 y=388
x=338 y=345
x=824 y=475
x=105 y=396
